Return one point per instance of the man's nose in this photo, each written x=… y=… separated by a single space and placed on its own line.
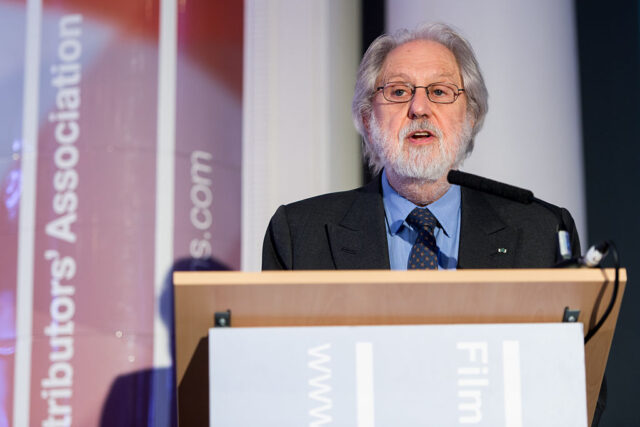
x=420 y=106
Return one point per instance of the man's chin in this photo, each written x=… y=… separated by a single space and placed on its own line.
x=417 y=172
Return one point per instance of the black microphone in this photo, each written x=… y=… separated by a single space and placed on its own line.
x=490 y=186
x=516 y=194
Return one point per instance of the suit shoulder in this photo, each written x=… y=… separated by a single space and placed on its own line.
x=512 y=210
x=323 y=200
x=330 y=206
x=298 y=233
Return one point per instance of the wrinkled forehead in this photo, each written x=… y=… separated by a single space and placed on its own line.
x=420 y=62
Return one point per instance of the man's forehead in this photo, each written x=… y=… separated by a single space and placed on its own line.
x=404 y=77
x=420 y=59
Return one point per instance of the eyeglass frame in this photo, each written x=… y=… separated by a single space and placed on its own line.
x=414 y=89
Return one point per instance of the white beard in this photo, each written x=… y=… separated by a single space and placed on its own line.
x=425 y=162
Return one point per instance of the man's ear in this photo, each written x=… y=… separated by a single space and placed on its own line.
x=366 y=119
x=471 y=118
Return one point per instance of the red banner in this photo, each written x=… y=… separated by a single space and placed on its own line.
x=95 y=304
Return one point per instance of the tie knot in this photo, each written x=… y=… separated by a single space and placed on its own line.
x=422 y=218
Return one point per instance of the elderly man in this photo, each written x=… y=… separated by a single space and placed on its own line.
x=419 y=101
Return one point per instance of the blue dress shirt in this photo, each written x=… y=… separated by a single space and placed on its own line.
x=401 y=236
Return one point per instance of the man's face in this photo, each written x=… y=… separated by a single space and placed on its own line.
x=419 y=138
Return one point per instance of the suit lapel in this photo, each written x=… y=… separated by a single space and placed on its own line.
x=485 y=240
x=359 y=240
x=356 y=241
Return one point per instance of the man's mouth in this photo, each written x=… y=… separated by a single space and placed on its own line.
x=421 y=137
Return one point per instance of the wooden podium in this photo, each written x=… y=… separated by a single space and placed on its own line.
x=332 y=298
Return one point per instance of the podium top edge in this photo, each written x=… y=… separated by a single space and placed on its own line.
x=196 y=278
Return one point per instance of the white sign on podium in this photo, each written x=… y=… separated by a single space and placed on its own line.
x=429 y=375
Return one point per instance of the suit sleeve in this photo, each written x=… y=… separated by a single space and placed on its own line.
x=276 y=249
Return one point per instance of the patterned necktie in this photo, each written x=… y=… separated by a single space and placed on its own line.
x=424 y=253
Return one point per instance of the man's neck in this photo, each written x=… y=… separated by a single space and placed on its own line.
x=421 y=192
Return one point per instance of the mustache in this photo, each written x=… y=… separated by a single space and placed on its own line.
x=417 y=125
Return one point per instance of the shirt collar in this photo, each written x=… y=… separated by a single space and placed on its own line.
x=396 y=207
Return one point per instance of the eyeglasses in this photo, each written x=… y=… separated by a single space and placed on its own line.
x=440 y=93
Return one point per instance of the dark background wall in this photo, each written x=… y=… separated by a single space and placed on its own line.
x=373 y=17
x=609 y=52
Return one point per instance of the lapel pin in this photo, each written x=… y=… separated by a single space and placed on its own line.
x=502 y=250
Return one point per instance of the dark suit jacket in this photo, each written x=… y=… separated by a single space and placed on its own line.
x=347 y=231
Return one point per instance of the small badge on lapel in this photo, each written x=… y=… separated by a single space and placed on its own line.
x=502 y=250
